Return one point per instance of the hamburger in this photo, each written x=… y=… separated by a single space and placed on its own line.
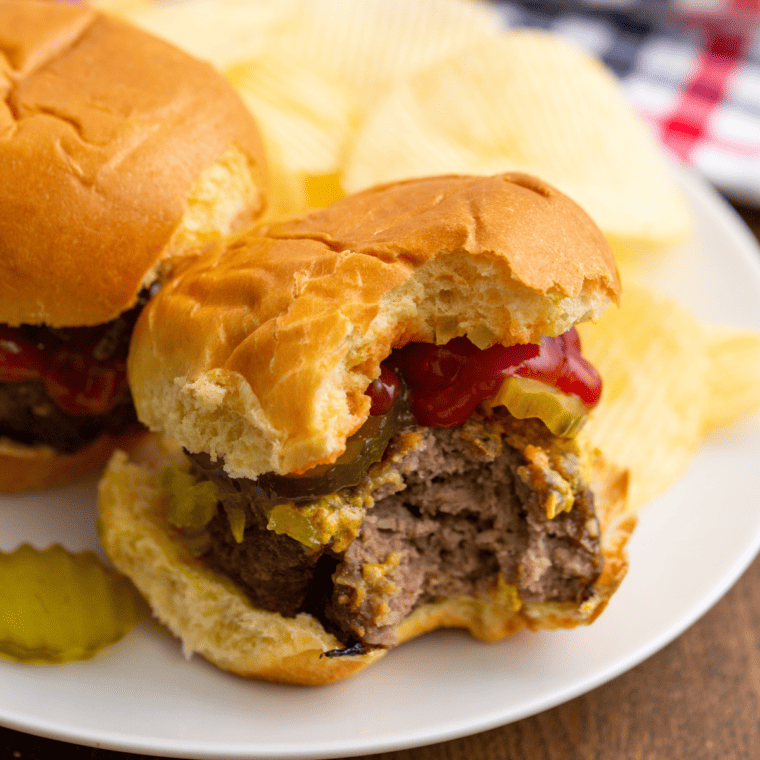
x=378 y=407
x=119 y=156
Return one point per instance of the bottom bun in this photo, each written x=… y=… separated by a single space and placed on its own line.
x=26 y=468
x=215 y=619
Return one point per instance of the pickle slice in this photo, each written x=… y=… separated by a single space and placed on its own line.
x=57 y=607
x=563 y=413
x=363 y=449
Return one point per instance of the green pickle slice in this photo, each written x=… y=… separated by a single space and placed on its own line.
x=563 y=413
x=363 y=449
x=56 y=606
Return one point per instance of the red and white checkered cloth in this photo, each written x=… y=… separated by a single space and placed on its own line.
x=690 y=67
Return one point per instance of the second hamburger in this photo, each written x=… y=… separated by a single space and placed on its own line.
x=119 y=156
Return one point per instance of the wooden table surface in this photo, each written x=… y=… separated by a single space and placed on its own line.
x=697 y=699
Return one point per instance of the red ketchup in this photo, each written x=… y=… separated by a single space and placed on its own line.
x=383 y=391
x=75 y=381
x=446 y=383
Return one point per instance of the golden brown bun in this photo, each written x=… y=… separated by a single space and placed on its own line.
x=117 y=151
x=25 y=468
x=214 y=618
x=261 y=351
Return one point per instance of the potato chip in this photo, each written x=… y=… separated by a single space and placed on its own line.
x=323 y=189
x=321 y=68
x=309 y=115
x=287 y=192
x=307 y=119
x=528 y=101
x=733 y=375
x=446 y=89
x=653 y=359
x=369 y=45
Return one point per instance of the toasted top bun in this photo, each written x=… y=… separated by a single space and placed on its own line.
x=261 y=351
x=213 y=617
x=117 y=152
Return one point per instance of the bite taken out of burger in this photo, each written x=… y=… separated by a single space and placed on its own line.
x=119 y=156
x=381 y=409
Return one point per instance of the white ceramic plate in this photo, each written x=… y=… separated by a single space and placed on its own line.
x=691 y=545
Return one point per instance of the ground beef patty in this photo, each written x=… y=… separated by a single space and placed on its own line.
x=494 y=509
x=29 y=416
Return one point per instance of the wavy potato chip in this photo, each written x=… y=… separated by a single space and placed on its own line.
x=324 y=66
x=733 y=377
x=370 y=91
x=370 y=45
x=653 y=359
x=528 y=101
x=307 y=119
x=309 y=114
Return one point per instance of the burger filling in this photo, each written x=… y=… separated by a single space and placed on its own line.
x=447 y=495
x=64 y=387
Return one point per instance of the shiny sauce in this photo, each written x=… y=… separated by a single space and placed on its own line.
x=65 y=362
x=446 y=383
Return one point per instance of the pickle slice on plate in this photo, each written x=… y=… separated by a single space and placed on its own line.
x=56 y=606
x=563 y=413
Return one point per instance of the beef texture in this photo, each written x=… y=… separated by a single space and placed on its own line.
x=495 y=507
x=29 y=416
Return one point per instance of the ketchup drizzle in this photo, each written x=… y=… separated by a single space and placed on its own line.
x=383 y=391
x=446 y=383
x=75 y=380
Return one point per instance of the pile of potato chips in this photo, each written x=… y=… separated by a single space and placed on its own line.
x=349 y=94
